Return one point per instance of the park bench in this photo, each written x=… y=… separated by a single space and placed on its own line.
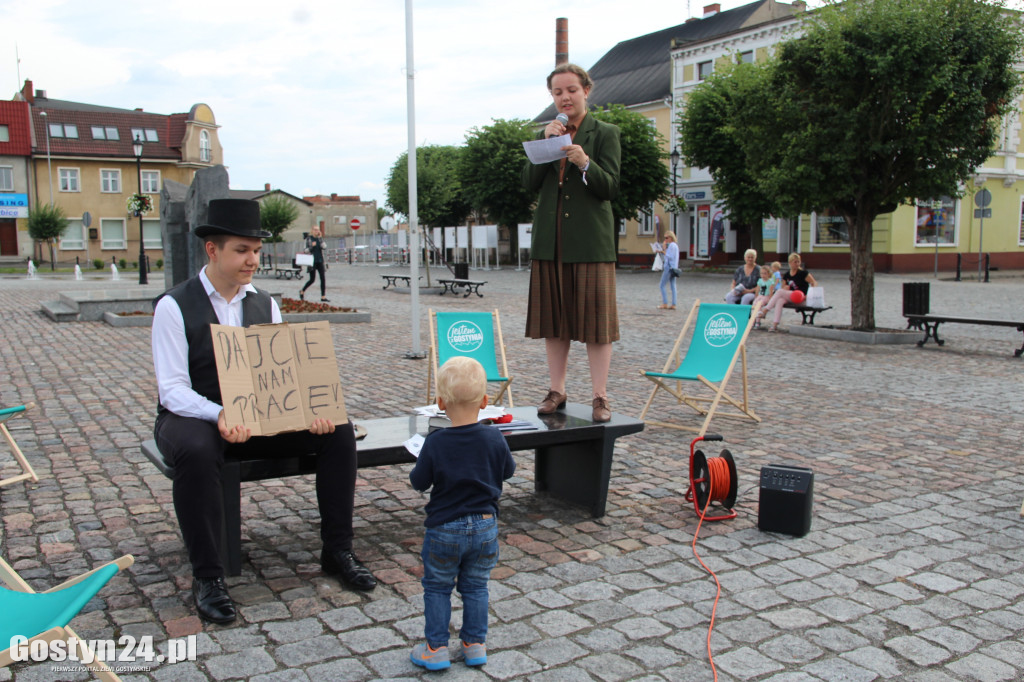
x=930 y=323
x=453 y=285
x=806 y=311
x=392 y=280
x=573 y=461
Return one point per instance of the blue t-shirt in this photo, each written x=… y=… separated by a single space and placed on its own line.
x=765 y=285
x=466 y=466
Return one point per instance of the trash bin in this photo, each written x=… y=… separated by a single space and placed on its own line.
x=916 y=298
x=461 y=270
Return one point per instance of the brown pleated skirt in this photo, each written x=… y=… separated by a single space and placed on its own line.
x=574 y=301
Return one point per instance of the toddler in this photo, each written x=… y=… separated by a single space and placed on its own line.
x=465 y=466
x=765 y=287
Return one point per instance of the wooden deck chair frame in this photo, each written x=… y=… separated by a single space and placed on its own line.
x=14 y=582
x=499 y=350
x=708 y=407
x=28 y=473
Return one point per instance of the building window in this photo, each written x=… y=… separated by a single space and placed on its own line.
x=646 y=221
x=746 y=57
x=622 y=227
x=704 y=70
x=151 y=234
x=112 y=233
x=105 y=133
x=936 y=221
x=830 y=230
x=147 y=134
x=6 y=178
x=63 y=130
x=73 y=238
x=110 y=181
x=205 y=151
x=151 y=182
x=69 y=180
x=5 y=133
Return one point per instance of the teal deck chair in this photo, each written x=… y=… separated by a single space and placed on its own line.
x=45 y=615
x=473 y=335
x=27 y=472
x=719 y=339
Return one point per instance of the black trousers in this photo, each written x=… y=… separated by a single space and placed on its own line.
x=196 y=450
x=313 y=269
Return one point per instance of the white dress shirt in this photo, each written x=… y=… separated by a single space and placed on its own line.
x=170 y=350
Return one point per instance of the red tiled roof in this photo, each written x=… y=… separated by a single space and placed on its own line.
x=84 y=116
x=15 y=115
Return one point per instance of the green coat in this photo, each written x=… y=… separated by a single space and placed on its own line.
x=588 y=228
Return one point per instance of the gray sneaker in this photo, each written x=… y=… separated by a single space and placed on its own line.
x=474 y=654
x=431 y=660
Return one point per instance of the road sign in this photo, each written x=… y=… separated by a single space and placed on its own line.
x=983 y=213
x=982 y=199
x=355 y=223
x=87 y=219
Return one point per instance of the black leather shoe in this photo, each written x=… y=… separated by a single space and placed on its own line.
x=344 y=564
x=212 y=600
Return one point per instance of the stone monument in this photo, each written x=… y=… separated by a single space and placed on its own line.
x=181 y=209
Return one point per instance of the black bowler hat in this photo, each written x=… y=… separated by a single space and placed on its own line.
x=238 y=217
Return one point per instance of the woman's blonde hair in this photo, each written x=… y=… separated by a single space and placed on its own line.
x=580 y=72
x=749 y=252
x=794 y=256
x=670 y=235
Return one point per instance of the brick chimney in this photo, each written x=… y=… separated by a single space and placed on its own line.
x=561 y=41
x=712 y=9
x=27 y=92
x=266 y=186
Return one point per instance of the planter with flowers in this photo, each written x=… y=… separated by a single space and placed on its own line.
x=139 y=204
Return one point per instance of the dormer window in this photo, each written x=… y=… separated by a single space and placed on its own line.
x=205 y=149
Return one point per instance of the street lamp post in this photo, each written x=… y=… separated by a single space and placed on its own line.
x=49 y=168
x=137 y=149
x=675 y=201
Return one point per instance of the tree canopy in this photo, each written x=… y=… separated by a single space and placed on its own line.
x=643 y=174
x=439 y=198
x=276 y=214
x=878 y=103
x=491 y=171
x=46 y=223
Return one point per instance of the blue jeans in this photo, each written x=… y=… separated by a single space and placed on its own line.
x=463 y=551
x=666 y=277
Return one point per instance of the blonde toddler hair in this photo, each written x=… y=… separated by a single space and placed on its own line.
x=461 y=381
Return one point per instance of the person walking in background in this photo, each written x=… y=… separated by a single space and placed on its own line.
x=744 y=281
x=670 y=254
x=572 y=281
x=315 y=246
x=464 y=466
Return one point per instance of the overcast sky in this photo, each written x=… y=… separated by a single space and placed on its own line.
x=311 y=94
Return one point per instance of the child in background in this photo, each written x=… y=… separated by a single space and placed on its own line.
x=466 y=465
x=765 y=288
x=777 y=276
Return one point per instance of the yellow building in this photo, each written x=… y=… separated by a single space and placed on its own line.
x=83 y=160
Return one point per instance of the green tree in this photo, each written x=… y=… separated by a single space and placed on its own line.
x=491 y=172
x=643 y=174
x=46 y=223
x=277 y=213
x=439 y=198
x=708 y=139
x=879 y=103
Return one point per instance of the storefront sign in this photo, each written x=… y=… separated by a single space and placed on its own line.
x=13 y=205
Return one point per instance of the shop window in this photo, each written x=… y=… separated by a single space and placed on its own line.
x=936 y=221
x=830 y=230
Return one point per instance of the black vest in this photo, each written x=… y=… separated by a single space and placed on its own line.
x=198 y=314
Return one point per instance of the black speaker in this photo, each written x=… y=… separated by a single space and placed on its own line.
x=784 y=505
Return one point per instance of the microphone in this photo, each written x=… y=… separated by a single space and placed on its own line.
x=562 y=118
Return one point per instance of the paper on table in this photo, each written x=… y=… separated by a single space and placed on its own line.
x=414 y=445
x=489 y=412
x=547 y=150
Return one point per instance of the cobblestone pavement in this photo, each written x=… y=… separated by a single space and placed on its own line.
x=912 y=569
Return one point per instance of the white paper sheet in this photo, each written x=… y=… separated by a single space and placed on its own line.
x=414 y=445
x=547 y=150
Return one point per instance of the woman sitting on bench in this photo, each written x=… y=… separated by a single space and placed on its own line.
x=797 y=279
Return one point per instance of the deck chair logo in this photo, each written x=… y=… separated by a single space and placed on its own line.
x=721 y=330
x=465 y=337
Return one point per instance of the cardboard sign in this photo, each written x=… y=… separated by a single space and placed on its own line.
x=278 y=377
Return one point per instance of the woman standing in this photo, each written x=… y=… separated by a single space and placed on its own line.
x=797 y=279
x=315 y=246
x=744 y=281
x=572 y=278
x=670 y=254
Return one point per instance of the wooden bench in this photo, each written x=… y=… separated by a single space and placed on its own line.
x=573 y=461
x=453 y=285
x=930 y=322
x=392 y=280
x=806 y=311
